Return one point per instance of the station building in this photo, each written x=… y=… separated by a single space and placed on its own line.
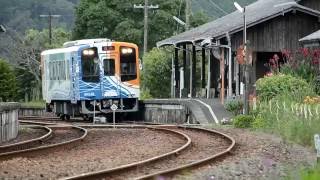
x=272 y=26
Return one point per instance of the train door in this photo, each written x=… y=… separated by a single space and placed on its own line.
x=90 y=86
x=110 y=87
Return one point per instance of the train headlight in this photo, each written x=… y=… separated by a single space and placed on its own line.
x=126 y=50
x=88 y=52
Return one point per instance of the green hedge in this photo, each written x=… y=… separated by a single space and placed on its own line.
x=270 y=87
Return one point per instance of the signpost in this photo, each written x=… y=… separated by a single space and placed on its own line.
x=114 y=108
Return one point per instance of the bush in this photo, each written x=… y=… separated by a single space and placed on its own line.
x=270 y=87
x=311 y=174
x=234 y=106
x=316 y=85
x=145 y=94
x=259 y=123
x=243 y=121
x=156 y=73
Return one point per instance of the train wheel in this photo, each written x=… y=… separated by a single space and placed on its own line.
x=85 y=117
x=62 y=117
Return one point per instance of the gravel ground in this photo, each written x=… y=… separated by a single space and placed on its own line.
x=103 y=148
x=26 y=134
x=203 y=145
x=256 y=156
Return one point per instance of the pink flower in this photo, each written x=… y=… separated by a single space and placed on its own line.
x=304 y=52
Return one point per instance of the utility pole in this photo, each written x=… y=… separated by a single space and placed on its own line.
x=50 y=16
x=188 y=12
x=146 y=8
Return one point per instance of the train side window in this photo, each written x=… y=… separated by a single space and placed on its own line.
x=53 y=70
x=109 y=67
x=67 y=70
x=59 y=70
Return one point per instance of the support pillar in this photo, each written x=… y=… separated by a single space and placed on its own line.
x=177 y=73
x=193 y=66
x=209 y=73
x=222 y=71
x=185 y=71
x=203 y=68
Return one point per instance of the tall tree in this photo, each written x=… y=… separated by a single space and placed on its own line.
x=24 y=54
x=8 y=85
x=118 y=20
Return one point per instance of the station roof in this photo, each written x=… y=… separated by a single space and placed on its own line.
x=312 y=37
x=256 y=13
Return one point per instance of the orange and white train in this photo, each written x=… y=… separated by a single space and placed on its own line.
x=89 y=76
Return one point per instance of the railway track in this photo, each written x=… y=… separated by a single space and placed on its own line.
x=149 y=169
x=28 y=143
x=56 y=137
x=202 y=146
x=49 y=120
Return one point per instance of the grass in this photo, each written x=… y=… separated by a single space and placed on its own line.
x=294 y=121
x=33 y=104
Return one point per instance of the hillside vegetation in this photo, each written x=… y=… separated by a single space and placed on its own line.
x=22 y=15
x=217 y=8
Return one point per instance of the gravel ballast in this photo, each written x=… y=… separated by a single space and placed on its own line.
x=103 y=148
x=256 y=156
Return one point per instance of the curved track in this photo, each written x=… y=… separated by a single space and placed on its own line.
x=124 y=172
x=28 y=143
x=53 y=140
x=143 y=169
x=197 y=163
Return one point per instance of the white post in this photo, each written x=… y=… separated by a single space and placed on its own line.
x=317 y=146
x=181 y=81
x=114 y=108
x=230 y=74
x=94 y=111
x=209 y=75
x=114 y=119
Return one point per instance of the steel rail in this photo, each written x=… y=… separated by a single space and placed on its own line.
x=93 y=175
x=175 y=170
x=40 y=148
x=30 y=142
x=36 y=123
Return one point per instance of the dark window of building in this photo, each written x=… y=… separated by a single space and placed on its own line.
x=109 y=67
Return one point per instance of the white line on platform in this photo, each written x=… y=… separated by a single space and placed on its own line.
x=210 y=109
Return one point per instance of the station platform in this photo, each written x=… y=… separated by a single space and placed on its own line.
x=202 y=111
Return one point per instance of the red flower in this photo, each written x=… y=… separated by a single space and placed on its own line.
x=304 y=52
x=286 y=53
x=276 y=57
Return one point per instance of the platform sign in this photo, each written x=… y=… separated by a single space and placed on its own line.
x=114 y=108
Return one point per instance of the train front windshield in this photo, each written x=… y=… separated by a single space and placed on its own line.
x=128 y=64
x=90 y=65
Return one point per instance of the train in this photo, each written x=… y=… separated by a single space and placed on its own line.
x=87 y=77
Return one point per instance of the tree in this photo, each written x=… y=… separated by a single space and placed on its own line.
x=118 y=20
x=8 y=86
x=24 y=54
x=198 y=19
x=156 y=73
